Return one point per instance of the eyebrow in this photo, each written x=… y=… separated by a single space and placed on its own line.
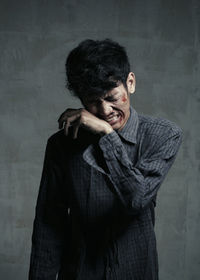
x=112 y=94
x=108 y=95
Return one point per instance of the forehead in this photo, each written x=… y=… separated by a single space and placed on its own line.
x=116 y=90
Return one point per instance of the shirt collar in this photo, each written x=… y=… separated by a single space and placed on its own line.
x=129 y=131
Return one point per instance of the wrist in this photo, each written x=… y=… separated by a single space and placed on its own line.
x=108 y=130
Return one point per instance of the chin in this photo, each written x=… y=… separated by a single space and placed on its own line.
x=117 y=126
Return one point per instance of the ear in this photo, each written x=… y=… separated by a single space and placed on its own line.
x=131 y=82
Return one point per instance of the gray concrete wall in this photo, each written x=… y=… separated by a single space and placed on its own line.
x=162 y=39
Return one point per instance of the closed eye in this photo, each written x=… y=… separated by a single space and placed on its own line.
x=111 y=99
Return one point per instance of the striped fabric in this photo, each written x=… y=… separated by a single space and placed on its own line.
x=95 y=209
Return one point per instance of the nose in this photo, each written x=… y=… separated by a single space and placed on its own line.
x=105 y=109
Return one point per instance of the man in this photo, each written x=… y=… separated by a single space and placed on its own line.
x=102 y=170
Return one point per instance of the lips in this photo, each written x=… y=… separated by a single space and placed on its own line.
x=112 y=120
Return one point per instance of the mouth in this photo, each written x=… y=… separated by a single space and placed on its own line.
x=114 y=119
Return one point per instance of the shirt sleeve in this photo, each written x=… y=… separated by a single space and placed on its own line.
x=136 y=186
x=50 y=223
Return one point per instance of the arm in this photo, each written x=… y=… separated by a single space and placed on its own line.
x=82 y=118
x=50 y=224
x=137 y=185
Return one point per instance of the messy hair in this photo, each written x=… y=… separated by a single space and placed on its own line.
x=96 y=66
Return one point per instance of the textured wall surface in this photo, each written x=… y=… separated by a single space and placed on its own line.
x=163 y=42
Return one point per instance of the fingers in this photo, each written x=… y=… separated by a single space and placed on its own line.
x=66 y=127
x=63 y=118
x=70 y=117
x=70 y=121
x=75 y=131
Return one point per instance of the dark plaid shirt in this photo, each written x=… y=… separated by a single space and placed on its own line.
x=95 y=208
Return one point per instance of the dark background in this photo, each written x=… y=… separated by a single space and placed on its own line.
x=162 y=38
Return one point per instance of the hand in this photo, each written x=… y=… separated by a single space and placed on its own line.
x=81 y=117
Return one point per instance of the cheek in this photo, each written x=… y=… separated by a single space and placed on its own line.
x=124 y=98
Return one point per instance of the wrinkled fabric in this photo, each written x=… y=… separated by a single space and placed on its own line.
x=95 y=208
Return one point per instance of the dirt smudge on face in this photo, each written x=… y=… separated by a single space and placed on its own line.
x=124 y=98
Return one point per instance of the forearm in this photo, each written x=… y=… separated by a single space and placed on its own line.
x=136 y=185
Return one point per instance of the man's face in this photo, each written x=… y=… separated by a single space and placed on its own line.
x=114 y=106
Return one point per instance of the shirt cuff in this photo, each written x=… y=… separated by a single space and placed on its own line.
x=111 y=145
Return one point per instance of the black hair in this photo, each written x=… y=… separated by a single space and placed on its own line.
x=94 y=67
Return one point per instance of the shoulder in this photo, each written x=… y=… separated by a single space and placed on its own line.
x=57 y=136
x=156 y=126
x=57 y=139
x=62 y=144
x=156 y=133
x=57 y=145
